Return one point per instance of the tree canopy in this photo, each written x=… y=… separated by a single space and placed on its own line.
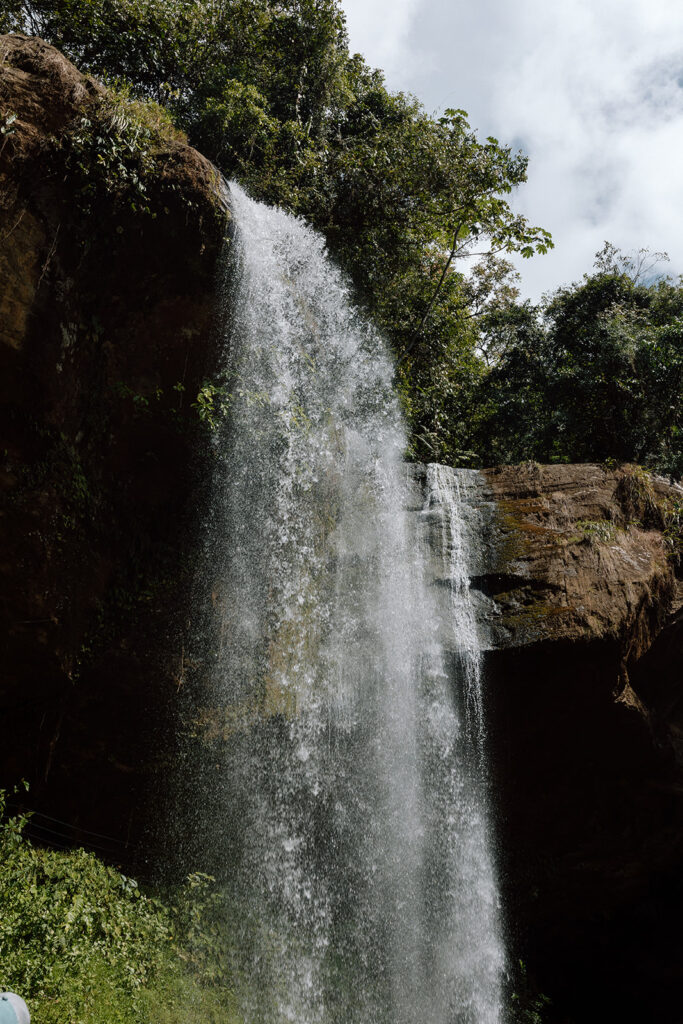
x=269 y=91
x=595 y=372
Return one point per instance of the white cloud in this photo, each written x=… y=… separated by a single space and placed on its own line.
x=593 y=92
x=380 y=28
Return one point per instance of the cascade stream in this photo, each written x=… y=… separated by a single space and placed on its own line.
x=355 y=832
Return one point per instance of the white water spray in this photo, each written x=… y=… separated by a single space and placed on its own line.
x=357 y=844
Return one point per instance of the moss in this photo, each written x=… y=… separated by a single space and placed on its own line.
x=517 y=533
x=537 y=611
x=149 y=117
x=538 y=620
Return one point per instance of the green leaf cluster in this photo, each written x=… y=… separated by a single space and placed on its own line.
x=111 y=155
x=526 y=1004
x=83 y=943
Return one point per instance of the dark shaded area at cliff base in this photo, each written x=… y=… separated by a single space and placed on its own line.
x=591 y=835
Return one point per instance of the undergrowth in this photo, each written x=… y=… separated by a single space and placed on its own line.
x=83 y=944
x=636 y=495
x=596 y=530
x=672 y=512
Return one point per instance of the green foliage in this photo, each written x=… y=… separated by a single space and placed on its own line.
x=112 y=154
x=527 y=1005
x=593 y=530
x=637 y=498
x=417 y=209
x=672 y=513
x=82 y=943
x=212 y=404
x=11 y=17
x=141 y=402
x=201 y=914
x=270 y=93
x=63 y=914
x=407 y=196
x=595 y=372
x=215 y=400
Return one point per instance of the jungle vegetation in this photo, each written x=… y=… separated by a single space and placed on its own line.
x=417 y=209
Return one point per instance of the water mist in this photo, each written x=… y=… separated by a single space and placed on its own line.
x=353 y=821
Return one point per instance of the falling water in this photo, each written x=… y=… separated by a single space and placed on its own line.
x=354 y=834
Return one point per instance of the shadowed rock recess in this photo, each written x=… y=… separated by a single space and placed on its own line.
x=107 y=310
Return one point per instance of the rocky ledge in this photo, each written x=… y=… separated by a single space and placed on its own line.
x=579 y=552
x=575 y=578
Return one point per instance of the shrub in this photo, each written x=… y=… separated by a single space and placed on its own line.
x=83 y=944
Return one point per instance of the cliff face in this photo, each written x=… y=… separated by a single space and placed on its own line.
x=107 y=299
x=585 y=700
x=579 y=606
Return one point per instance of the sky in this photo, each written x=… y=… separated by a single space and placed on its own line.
x=590 y=90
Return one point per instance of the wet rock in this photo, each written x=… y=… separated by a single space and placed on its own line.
x=579 y=607
x=570 y=563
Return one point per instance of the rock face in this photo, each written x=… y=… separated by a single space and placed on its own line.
x=579 y=607
x=585 y=687
x=106 y=314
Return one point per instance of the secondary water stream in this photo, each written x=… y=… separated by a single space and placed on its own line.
x=356 y=839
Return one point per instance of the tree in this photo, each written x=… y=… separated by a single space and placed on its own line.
x=595 y=373
x=268 y=90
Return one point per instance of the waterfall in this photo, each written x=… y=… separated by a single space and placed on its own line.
x=351 y=803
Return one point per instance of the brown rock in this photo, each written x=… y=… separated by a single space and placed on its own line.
x=106 y=331
x=585 y=701
x=569 y=563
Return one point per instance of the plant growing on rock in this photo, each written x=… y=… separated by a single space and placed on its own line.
x=111 y=154
x=672 y=512
x=527 y=1005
